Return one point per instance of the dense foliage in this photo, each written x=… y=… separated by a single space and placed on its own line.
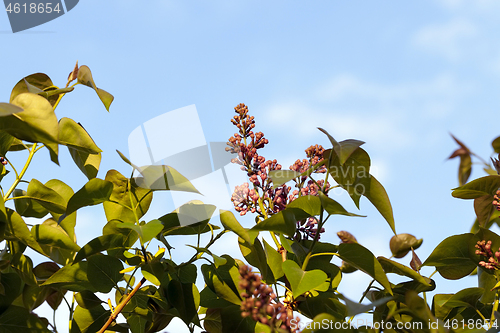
x=114 y=283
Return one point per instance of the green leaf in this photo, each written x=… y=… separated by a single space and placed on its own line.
x=163 y=177
x=333 y=207
x=224 y=280
x=37 y=123
x=104 y=272
x=55 y=242
x=94 y=192
x=455 y=256
x=391 y=266
x=85 y=78
x=274 y=260
x=254 y=254
x=484 y=209
x=19 y=320
x=302 y=281
x=24 y=267
x=35 y=83
x=182 y=297
x=46 y=197
x=126 y=197
x=345 y=148
x=401 y=244
x=12 y=287
x=189 y=219
x=6 y=141
x=358 y=256
x=146 y=231
x=464 y=169
x=87 y=299
x=49 y=234
x=129 y=236
x=28 y=207
x=71 y=277
x=16 y=228
x=89 y=320
x=465 y=298
x=99 y=244
x=377 y=195
x=6 y=109
x=87 y=163
x=67 y=222
x=72 y=134
x=231 y=223
x=354 y=175
x=487 y=185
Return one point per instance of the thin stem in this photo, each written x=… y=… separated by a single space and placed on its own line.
x=120 y=306
x=21 y=174
x=366 y=291
x=13 y=168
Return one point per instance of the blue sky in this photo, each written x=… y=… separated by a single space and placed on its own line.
x=399 y=75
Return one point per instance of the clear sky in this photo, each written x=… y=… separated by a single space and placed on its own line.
x=399 y=75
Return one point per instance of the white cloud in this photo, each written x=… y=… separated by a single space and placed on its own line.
x=450 y=40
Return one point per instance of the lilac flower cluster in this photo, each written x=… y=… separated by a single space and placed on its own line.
x=484 y=249
x=263 y=198
x=260 y=302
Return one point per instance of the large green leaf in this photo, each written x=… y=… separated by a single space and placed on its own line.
x=401 y=244
x=302 y=281
x=36 y=83
x=17 y=229
x=353 y=175
x=99 y=244
x=46 y=197
x=37 y=123
x=455 y=256
x=71 y=277
x=129 y=236
x=12 y=288
x=6 y=141
x=274 y=260
x=85 y=78
x=50 y=234
x=255 y=255
x=375 y=192
x=360 y=257
x=224 y=280
x=487 y=185
x=146 y=231
x=87 y=163
x=182 y=296
x=89 y=320
x=73 y=135
x=485 y=210
x=26 y=206
x=68 y=222
x=94 y=192
x=55 y=242
x=231 y=223
x=189 y=219
x=465 y=298
x=104 y=272
x=126 y=197
x=87 y=299
x=163 y=177
x=19 y=320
